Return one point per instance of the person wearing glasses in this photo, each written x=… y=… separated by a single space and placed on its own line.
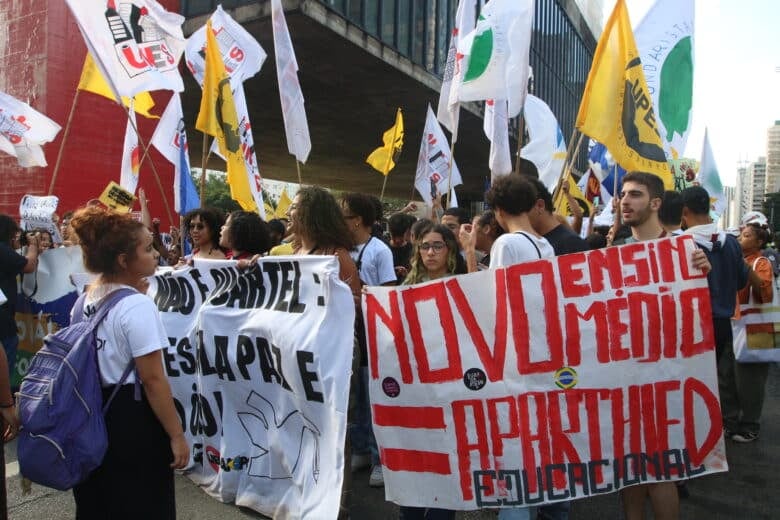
x=436 y=255
x=203 y=226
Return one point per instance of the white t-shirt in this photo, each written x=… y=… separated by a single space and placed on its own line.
x=376 y=264
x=130 y=330
x=514 y=248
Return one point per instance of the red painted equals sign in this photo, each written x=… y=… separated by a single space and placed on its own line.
x=417 y=417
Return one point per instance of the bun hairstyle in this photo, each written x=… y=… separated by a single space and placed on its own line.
x=104 y=235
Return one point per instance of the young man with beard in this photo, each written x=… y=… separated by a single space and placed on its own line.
x=640 y=200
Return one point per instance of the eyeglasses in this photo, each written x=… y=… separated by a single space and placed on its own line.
x=199 y=225
x=438 y=247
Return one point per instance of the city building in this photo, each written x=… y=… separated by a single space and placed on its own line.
x=756 y=172
x=773 y=158
x=358 y=61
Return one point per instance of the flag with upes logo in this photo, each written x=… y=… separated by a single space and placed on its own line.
x=616 y=107
x=136 y=44
x=23 y=130
x=433 y=163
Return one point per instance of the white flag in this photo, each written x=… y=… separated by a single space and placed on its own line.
x=433 y=163
x=23 y=130
x=496 y=127
x=136 y=45
x=295 y=125
x=497 y=54
x=247 y=149
x=448 y=111
x=665 y=42
x=709 y=178
x=131 y=155
x=242 y=55
x=170 y=139
x=546 y=147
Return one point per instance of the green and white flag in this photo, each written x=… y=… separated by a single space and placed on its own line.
x=497 y=54
x=709 y=178
x=665 y=41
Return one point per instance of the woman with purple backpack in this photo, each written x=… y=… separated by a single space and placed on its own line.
x=145 y=438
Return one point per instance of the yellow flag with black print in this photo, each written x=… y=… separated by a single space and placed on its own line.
x=383 y=158
x=617 y=108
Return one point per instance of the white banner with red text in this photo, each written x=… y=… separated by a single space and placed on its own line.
x=546 y=381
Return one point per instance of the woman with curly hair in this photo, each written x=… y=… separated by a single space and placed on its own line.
x=436 y=254
x=320 y=229
x=204 y=225
x=127 y=485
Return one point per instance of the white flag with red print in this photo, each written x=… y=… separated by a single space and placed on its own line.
x=448 y=111
x=131 y=155
x=242 y=55
x=433 y=163
x=23 y=130
x=136 y=44
x=296 y=127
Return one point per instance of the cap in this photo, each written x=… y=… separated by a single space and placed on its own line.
x=754 y=217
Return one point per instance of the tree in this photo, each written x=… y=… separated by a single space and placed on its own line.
x=217 y=193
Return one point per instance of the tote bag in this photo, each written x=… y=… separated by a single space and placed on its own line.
x=757 y=331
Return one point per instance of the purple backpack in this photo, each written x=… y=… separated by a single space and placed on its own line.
x=63 y=436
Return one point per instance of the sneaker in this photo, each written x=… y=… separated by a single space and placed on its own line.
x=360 y=461
x=744 y=437
x=376 y=479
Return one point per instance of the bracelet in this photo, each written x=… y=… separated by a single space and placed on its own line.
x=8 y=405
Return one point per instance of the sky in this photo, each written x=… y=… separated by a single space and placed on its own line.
x=736 y=91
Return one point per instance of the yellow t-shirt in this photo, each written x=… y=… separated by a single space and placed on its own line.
x=282 y=249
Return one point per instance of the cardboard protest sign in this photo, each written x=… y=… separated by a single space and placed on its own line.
x=545 y=381
x=259 y=364
x=117 y=198
x=37 y=212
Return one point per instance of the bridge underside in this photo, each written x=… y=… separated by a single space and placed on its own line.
x=351 y=98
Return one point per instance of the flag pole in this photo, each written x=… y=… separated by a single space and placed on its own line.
x=449 y=178
x=520 y=139
x=298 y=168
x=382 y=195
x=151 y=162
x=204 y=158
x=566 y=164
x=386 y=172
x=62 y=144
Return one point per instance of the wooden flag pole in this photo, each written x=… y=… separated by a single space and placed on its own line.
x=566 y=163
x=151 y=162
x=382 y=195
x=62 y=144
x=298 y=168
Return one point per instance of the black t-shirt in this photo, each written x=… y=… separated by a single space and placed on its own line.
x=402 y=255
x=565 y=241
x=11 y=264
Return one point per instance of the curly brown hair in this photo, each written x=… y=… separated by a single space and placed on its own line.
x=319 y=218
x=104 y=235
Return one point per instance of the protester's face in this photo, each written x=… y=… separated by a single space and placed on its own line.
x=225 y=238
x=144 y=261
x=748 y=239
x=353 y=221
x=292 y=214
x=44 y=241
x=451 y=221
x=65 y=228
x=433 y=252
x=635 y=204
x=16 y=240
x=200 y=232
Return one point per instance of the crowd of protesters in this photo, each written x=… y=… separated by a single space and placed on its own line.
x=520 y=225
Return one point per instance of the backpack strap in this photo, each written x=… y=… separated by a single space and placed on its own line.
x=125 y=375
x=523 y=233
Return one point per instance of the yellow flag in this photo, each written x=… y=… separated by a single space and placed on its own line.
x=282 y=205
x=383 y=158
x=92 y=81
x=616 y=107
x=217 y=117
x=561 y=203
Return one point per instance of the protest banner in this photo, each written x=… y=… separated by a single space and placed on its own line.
x=117 y=198
x=43 y=305
x=37 y=212
x=546 y=381
x=259 y=364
